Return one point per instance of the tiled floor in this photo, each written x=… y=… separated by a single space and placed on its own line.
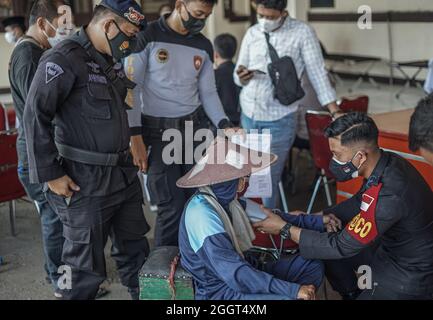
x=383 y=99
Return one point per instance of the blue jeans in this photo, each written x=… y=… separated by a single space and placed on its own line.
x=52 y=228
x=283 y=133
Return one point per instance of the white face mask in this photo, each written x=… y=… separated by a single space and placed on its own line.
x=61 y=34
x=269 y=25
x=10 y=37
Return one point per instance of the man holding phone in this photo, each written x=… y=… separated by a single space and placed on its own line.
x=260 y=109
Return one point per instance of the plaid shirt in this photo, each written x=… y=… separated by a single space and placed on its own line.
x=295 y=39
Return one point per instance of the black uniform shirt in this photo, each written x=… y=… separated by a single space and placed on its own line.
x=88 y=112
x=403 y=261
x=22 y=68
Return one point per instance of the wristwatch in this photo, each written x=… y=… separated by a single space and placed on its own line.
x=285 y=232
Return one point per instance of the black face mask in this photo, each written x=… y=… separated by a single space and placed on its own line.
x=121 y=45
x=193 y=25
x=344 y=171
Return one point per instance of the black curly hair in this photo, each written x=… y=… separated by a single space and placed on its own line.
x=354 y=127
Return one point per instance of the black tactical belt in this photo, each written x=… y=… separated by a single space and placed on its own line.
x=92 y=158
x=171 y=123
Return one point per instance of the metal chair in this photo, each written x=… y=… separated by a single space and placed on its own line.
x=10 y=186
x=317 y=121
x=272 y=245
x=418 y=65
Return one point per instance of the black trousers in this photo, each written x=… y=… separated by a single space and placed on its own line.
x=341 y=274
x=87 y=224
x=161 y=183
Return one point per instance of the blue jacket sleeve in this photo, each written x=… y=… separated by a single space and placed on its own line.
x=305 y=221
x=221 y=257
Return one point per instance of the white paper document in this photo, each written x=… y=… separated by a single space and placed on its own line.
x=260 y=185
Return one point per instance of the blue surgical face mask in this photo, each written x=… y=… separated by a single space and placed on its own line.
x=344 y=171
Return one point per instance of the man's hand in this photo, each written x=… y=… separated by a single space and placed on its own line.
x=332 y=223
x=307 y=293
x=139 y=153
x=244 y=75
x=335 y=110
x=63 y=186
x=272 y=225
x=230 y=132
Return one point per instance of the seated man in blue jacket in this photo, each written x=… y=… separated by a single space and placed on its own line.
x=215 y=232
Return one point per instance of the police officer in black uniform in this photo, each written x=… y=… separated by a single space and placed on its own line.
x=389 y=222
x=80 y=86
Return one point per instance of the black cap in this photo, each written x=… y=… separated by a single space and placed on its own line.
x=128 y=9
x=14 y=21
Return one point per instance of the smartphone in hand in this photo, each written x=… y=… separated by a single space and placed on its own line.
x=257 y=72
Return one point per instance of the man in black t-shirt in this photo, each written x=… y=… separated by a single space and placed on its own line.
x=43 y=33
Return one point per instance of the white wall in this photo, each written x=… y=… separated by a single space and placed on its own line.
x=411 y=41
x=5 y=53
x=217 y=24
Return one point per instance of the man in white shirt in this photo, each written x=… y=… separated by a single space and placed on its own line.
x=260 y=109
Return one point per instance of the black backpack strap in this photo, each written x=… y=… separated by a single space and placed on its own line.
x=273 y=53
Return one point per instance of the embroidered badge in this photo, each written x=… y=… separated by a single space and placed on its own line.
x=162 y=56
x=134 y=16
x=94 y=66
x=96 y=78
x=198 y=62
x=367 y=201
x=52 y=71
x=124 y=46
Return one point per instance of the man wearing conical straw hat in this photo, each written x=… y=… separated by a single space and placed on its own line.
x=215 y=232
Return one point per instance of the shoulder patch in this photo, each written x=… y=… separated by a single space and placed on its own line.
x=198 y=62
x=52 y=71
x=162 y=55
x=363 y=227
